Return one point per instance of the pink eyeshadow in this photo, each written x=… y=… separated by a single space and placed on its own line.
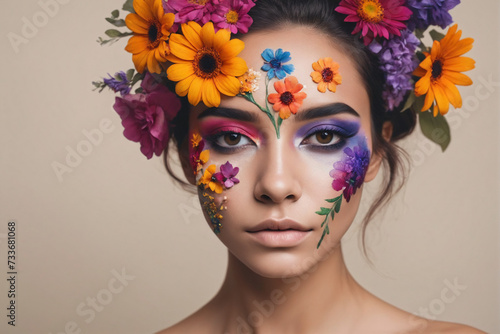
x=210 y=127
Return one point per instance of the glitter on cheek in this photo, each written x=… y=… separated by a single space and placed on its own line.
x=216 y=182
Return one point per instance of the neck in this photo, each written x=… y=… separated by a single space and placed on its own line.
x=326 y=293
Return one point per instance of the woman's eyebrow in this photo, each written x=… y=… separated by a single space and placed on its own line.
x=237 y=114
x=326 y=110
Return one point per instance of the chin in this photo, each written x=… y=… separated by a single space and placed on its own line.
x=281 y=263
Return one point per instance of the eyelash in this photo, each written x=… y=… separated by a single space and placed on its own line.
x=213 y=141
x=339 y=133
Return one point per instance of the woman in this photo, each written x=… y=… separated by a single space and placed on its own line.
x=279 y=169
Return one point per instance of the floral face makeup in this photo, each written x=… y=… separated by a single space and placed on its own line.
x=289 y=188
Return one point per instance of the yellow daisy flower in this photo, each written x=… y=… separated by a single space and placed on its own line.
x=209 y=181
x=150 y=26
x=440 y=72
x=205 y=63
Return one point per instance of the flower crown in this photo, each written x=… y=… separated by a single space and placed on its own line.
x=189 y=42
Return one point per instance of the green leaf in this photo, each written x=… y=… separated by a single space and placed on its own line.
x=418 y=104
x=337 y=206
x=333 y=200
x=115 y=13
x=130 y=74
x=128 y=6
x=323 y=211
x=409 y=101
x=113 y=33
x=116 y=23
x=436 y=36
x=435 y=128
x=419 y=33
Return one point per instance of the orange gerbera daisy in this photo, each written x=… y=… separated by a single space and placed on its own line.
x=326 y=74
x=210 y=181
x=289 y=97
x=205 y=63
x=151 y=27
x=440 y=72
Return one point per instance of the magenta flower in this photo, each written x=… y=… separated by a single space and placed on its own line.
x=146 y=117
x=349 y=174
x=227 y=174
x=375 y=17
x=233 y=15
x=199 y=11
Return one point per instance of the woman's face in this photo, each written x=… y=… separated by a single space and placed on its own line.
x=269 y=218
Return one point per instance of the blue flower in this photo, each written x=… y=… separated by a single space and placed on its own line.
x=119 y=83
x=274 y=63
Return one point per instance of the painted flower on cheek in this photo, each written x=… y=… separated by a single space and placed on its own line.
x=198 y=156
x=288 y=98
x=349 y=173
x=274 y=63
x=227 y=174
x=326 y=74
x=208 y=179
x=233 y=15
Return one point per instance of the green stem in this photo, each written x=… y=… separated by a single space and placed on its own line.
x=337 y=201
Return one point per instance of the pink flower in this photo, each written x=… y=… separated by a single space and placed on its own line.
x=227 y=174
x=146 y=117
x=190 y=10
x=375 y=17
x=233 y=15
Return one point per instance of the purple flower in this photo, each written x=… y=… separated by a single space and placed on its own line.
x=118 y=83
x=233 y=15
x=430 y=12
x=146 y=117
x=397 y=61
x=274 y=63
x=188 y=10
x=227 y=174
x=349 y=173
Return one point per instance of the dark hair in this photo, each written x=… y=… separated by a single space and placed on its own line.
x=321 y=15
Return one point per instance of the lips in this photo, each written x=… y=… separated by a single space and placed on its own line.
x=278 y=225
x=282 y=233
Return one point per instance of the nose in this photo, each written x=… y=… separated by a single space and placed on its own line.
x=278 y=174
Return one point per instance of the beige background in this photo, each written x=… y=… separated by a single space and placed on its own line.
x=117 y=211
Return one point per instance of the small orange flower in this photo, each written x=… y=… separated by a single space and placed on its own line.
x=440 y=72
x=150 y=26
x=210 y=181
x=326 y=74
x=289 y=97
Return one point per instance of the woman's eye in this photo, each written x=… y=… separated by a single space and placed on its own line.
x=324 y=137
x=227 y=141
x=232 y=139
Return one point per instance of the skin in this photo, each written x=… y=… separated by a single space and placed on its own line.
x=302 y=289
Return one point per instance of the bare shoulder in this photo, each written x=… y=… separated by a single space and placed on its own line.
x=443 y=327
x=202 y=321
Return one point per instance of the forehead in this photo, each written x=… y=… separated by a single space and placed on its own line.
x=306 y=46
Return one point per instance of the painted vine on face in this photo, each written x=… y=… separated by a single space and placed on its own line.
x=348 y=175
